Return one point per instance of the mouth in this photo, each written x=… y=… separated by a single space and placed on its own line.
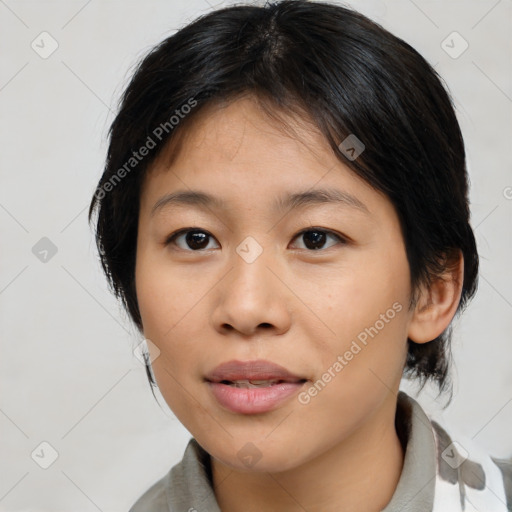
x=265 y=383
x=256 y=373
x=252 y=387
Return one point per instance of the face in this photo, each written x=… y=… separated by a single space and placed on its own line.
x=317 y=286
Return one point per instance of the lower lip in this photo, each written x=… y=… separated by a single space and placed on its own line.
x=254 y=400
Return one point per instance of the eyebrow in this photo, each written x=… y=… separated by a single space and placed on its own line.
x=296 y=200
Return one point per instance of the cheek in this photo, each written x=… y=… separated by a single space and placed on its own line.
x=365 y=308
x=164 y=295
x=166 y=311
x=357 y=296
x=172 y=306
x=160 y=314
x=363 y=362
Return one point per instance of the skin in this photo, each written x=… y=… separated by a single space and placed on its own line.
x=293 y=305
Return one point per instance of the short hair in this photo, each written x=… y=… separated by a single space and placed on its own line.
x=323 y=63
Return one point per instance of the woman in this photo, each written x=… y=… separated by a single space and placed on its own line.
x=284 y=214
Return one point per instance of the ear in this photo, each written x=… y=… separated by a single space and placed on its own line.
x=437 y=303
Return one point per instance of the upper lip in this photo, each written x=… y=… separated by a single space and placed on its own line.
x=258 y=369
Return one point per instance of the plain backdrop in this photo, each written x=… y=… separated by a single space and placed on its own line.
x=69 y=377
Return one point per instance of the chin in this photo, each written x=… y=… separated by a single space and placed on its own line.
x=255 y=457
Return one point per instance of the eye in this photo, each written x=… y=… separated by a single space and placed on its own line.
x=314 y=238
x=196 y=239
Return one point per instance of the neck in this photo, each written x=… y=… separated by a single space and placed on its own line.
x=359 y=473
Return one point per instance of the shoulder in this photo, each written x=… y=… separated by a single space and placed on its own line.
x=456 y=471
x=154 y=499
x=186 y=486
x=505 y=466
x=468 y=473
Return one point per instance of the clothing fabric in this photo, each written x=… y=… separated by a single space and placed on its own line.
x=438 y=475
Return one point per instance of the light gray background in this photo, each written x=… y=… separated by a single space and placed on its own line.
x=69 y=377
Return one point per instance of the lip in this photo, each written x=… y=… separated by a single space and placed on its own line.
x=258 y=369
x=253 y=400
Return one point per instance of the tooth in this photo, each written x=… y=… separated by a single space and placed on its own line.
x=245 y=383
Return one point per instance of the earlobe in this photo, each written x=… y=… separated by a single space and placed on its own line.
x=437 y=303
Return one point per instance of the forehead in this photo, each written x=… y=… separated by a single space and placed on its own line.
x=235 y=152
x=222 y=128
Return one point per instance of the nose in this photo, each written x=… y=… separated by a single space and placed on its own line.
x=251 y=297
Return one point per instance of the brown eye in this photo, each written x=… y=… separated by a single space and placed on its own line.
x=194 y=239
x=197 y=240
x=315 y=239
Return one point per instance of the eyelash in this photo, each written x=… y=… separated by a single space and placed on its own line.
x=172 y=237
